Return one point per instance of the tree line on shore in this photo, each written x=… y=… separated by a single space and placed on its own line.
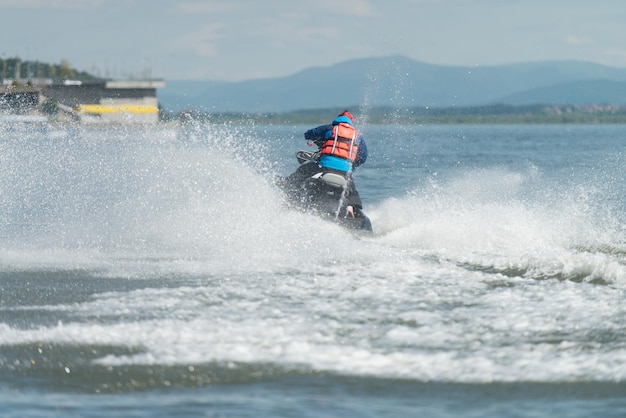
x=488 y=114
x=20 y=70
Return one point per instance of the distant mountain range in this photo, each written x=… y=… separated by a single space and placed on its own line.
x=398 y=81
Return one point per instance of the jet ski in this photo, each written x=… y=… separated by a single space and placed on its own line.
x=323 y=192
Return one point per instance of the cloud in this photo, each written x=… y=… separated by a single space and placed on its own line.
x=210 y=8
x=574 y=40
x=51 y=4
x=359 y=8
x=616 y=53
x=201 y=42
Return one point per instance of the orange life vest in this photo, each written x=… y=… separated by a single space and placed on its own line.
x=341 y=142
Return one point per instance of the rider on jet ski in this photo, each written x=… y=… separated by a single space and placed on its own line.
x=341 y=149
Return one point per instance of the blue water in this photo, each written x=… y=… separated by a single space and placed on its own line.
x=144 y=273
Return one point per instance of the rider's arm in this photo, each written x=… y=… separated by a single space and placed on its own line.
x=361 y=155
x=318 y=133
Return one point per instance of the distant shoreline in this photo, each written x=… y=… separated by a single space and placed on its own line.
x=496 y=114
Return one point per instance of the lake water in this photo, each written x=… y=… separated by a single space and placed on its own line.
x=143 y=274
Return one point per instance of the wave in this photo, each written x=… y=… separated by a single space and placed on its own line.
x=142 y=202
x=512 y=223
x=137 y=202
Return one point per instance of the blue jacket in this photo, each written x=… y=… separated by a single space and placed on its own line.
x=319 y=133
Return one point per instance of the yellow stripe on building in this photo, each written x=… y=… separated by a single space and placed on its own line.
x=100 y=109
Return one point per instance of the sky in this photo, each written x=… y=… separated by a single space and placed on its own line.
x=236 y=40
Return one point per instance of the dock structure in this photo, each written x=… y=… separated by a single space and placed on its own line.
x=110 y=101
x=133 y=101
